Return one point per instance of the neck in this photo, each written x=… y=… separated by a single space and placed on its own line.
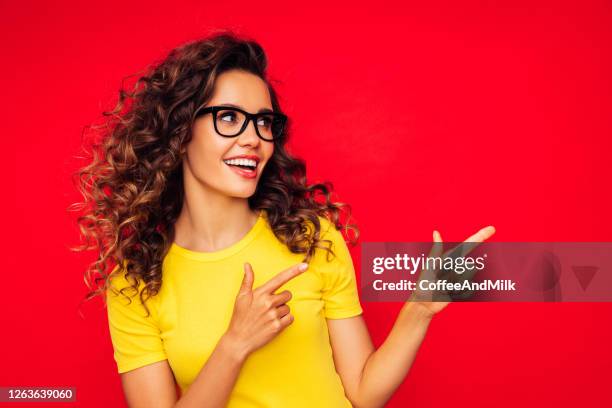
x=209 y=220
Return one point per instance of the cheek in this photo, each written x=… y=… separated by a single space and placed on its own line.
x=269 y=151
x=206 y=151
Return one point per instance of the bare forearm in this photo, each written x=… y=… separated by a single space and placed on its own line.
x=387 y=367
x=217 y=378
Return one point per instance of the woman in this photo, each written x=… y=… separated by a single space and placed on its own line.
x=246 y=289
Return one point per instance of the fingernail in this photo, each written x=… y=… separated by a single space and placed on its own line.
x=303 y=266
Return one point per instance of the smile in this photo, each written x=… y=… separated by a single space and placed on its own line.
x=244 y=167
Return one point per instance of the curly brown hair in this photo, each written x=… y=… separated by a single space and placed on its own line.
x=133 y=182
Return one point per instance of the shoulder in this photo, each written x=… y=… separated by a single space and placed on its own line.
x=124 y=298
x=122 y=286
x=328 y=229
x=119 y=279
x=330 y=237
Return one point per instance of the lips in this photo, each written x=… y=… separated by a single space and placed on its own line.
x=246 y=173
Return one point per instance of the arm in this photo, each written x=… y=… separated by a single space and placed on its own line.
x=370 y=376
x=153 y=385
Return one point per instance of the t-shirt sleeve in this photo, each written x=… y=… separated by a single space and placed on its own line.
x=339 y=293
x=135 y=337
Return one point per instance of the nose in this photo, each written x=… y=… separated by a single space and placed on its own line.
x=249 y=136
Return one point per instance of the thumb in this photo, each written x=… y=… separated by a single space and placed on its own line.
x=247 y=280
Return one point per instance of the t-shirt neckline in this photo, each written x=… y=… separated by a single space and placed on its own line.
x=225 y=252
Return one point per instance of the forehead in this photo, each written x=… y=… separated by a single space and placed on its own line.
x=241 y=88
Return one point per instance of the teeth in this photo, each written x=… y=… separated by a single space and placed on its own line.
x=242 y=162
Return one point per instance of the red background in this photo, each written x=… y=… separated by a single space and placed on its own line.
x=423 y=116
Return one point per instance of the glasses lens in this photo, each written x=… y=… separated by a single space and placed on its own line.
x=229 y=122
x=270 y=126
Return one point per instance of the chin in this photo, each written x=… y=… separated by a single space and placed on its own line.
x=241 y=193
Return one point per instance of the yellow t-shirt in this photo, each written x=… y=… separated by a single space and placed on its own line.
x=195 y=304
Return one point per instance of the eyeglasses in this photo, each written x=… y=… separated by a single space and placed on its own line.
x=230 y=122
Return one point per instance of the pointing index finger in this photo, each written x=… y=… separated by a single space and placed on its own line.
x=282 y=278
x=482 y=235
x=472 y=242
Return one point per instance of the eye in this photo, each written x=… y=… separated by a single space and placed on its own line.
x=227 y=116
x=264 y=121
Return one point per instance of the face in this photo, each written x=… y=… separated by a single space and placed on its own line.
x=207 y=152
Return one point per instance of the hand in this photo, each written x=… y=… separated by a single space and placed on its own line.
x=431 y=307
x=259 y=315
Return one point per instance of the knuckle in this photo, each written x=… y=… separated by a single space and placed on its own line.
x=245 y=295
x=276 y=324
x=267 y=303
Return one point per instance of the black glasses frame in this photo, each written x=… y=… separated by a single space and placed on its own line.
x=277 y=116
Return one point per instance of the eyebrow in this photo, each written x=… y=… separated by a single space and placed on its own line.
x=262 y=110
